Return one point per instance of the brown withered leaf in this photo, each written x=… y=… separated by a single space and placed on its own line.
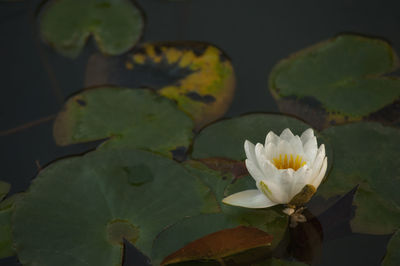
x=221 y=244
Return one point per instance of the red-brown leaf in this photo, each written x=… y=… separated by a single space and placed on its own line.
x=221 y=244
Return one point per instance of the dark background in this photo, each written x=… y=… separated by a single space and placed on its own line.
x=35 y=81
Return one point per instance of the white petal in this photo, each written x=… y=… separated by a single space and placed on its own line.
x=260 y=154
x=300 y=178
x=310 y=149
x=254 y=170
x=270 y=172
x=285 y=185
x=272 y=191
x=308 y=134
x=316 y=165
x=286 y=135
x=271 y=151
x=284 y=147
x=249 y=148
x=317 y=181
x=271 y=138
x=297 y=145
x=249 y=199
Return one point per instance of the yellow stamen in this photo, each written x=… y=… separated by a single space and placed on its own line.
x=285 y=163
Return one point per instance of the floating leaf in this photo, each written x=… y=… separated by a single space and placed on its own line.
x=367 y=154
x=67 y=24
x=130 y=118
x=187 y=230
x=221 y=244
x=79 y=209
x=226 y=166
x=6 y=240
x=6 y=248
x=199 y=76
x=337 y=80
x=392 y=257
x=271 y=221
x=216 y=181
x=226 y=138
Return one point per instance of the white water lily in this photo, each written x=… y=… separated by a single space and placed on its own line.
x=281 y=169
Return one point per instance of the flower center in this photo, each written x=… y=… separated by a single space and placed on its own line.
x=286 y=161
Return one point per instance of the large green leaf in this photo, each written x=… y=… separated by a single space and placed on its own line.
x=130 y=118
x=177 y=236
x=271 y=220
x=340 y=79
x=187 y=230
x=198 y=76
x=78 y=210
x=67 y=24
x=6 y=240
x=392 y=257
x=6 y=248
x=367 y=154
x=226 y=138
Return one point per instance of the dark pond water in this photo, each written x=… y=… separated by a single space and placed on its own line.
x=255 y=34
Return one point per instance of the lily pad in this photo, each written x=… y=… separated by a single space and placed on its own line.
x=198 y=76
x=270 y=220
x=392 y=257
x=78 y=210
x=221 y=244
x=226 y=138
x=338 y=80
x=226 y=166
x=6 y=240
x=177 y=236
x=116 y=25
x=367 y=154
x=187 y=230
x=129 y=118
x=6 y=248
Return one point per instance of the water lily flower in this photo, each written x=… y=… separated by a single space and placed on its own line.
x=287 y=170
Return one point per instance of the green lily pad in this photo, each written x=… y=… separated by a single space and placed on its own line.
x=337 y=80
x=187 y=230
x=78 y=209
x=129 y=118
x=367 y=154
x=177 y=236
x=271 y=220
x=6 y=240
x=4 y=189
x=392 y=257
x=6 y=248
x=198 y=76
x=216 y=181
x=226 y=138
x=116 y=25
